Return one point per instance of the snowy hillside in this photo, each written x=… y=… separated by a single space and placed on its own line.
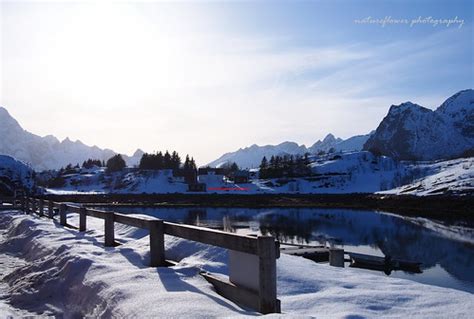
x=48 y=152
x=250 y=157
x=59 y=272
x=14 y=174
x=343 y=172
x=412 y=132
x=448 y=177
x=350 y=172
x=96 y=181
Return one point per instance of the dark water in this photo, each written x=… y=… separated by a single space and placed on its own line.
x=446 y=252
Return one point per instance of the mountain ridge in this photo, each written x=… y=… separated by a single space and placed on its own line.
x=408 y=132
x=251 y=156
x=48 y=152
x=412 y=132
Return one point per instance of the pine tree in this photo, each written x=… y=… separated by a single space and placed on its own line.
x=175 y=160
x=167 y=160
x=192 y=164
x=263 y=168
x=187 y=163
x=115 y=163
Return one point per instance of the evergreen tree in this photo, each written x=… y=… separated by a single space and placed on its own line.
x=115 y=163
x=175 y=160
x=192 y=164
x=167 y=160
x=234 y=167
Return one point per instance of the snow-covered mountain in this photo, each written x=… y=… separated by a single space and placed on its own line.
x=14 y=174
x=48 y=152
x=250 y=157
x=412 y=132
x=446 y=177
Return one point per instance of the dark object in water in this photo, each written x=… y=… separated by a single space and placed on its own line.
x=317 y=254
x=385 y=264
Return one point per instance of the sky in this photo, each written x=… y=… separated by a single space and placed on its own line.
x=206 y=78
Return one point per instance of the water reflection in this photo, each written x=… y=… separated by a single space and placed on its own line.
x=448 y=248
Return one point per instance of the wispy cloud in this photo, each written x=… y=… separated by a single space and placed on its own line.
x=152 y=81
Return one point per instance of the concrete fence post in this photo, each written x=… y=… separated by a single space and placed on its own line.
x=50 y=209
x=82 y=219
x=41 y=207
x=109 y=230
x=157 y=243
x=268 y=302
x=336 y=257
x=63 y=215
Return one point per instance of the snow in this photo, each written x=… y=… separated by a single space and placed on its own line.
x=412 y=132
x=58 y=271
x=336 y=173
x=454 y=176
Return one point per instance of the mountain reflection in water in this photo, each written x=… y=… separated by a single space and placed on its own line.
x=446 y=252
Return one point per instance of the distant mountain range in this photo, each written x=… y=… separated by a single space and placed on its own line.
x=412 y=132
x=250 y=157
x=408 y=132
x=47 y=152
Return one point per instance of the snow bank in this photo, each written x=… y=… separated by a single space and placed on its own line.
x=71 y=274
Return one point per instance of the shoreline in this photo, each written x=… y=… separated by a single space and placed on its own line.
x=444 y=207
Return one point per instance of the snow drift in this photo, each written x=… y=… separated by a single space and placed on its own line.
x=66 y=273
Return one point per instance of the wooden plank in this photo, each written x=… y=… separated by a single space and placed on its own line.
x=62 y=215
x=135 y=221
x=267 y=275
x=157 y=243
x=96 y=213
x=82 y=219
x=33 y=206
x=246 y=244
x=51 y=209
x=239 y=295
x=109 y=231
x=74 y=209
x=41 y=207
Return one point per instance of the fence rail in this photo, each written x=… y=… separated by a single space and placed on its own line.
x=249 y=257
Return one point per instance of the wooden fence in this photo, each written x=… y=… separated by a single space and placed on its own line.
x=252 y=260
x=9 y=203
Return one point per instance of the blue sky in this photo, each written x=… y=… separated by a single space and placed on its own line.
x=208 y=78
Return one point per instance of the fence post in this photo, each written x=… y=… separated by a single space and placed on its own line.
x=14 y=201
x=336 y=257
x=50 y=209
x=109 y=230
x=23 y=203
x=33 y=206
x=82 y=219
x=268 y=302
x=157 y=243
x=41 y=207
x=62 y=215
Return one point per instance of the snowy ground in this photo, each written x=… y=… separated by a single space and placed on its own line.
x=455 y=176
x=58 y=271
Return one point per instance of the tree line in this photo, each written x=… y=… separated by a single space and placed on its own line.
x=165 y=161
x=149 y=161
x=285 y=166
